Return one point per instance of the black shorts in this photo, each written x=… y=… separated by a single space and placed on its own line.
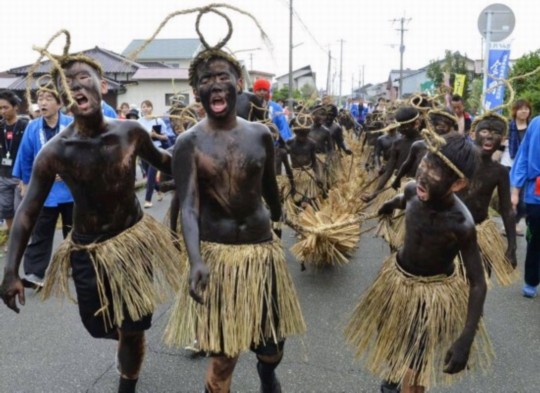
x=84 y=277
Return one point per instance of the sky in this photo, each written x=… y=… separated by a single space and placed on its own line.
x=369 y=30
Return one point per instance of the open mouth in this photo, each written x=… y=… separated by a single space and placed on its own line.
x=487 y=146
x=81 y=100
x=421 y=192
x=218 y=104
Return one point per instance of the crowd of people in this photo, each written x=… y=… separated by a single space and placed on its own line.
x=420 y=322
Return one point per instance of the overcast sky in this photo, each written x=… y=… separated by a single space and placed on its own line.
x=371 y=41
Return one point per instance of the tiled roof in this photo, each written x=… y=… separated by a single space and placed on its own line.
x=112 y=63
x=6 y=82
x=158 y=49
x=19 y=84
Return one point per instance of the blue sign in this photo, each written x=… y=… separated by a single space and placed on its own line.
x=498 y=65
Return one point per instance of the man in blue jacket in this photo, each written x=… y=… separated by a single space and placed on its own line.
x=59 y=202
x=525 y=174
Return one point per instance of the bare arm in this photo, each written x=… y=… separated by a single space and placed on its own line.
x=185 y=177
x=399 y=201
x=340 y=141
x=389 y=169
x=316 y=167
x=383 y=179
x=270 y=189
x=288 y=169
x=175 y=212
x=416 y=149
x=378 y=151
x=458 y=355
x=158 y=158
x=42 y=179
x=508 y=215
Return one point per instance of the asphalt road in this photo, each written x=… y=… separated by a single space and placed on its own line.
x=46 y=349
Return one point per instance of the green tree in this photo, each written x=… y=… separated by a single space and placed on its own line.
x=308 y=91
x=453 y=63
x=527 y=88
x=283 y=94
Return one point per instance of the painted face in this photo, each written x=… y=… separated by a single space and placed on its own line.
x=86 y=88
x=440 y=124
x=319 y=117
x=48 y=105
x=407 y=129
x=217 y=88
x=431 y=184
x=7 y=111
x=301 y=133
x=488 y=140
x=329 y=118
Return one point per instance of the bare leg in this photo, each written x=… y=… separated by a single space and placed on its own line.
x=409 y=384
x=266 y=368
x=130 y=358
x=219 y=374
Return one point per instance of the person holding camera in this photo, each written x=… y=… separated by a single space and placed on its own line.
x=156 y=127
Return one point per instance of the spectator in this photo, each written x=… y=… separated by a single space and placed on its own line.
x=464 y=118
x=521 y=115
x=59 y=201
x=123 y=110
x=525 y=174
x=12 y=129
x=261 y=88
x=132 y=114
x=157 y=130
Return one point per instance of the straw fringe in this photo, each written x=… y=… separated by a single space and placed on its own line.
x=327 y=238
x=240 y=309
x=492 y=250
x=403 y=321
x=141 y=265
x=304 y=182
x=392 y=228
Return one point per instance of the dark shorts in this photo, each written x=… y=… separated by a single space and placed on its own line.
x=84 y=277
x=10 y=197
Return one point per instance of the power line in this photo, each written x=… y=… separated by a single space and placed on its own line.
x=304 y=26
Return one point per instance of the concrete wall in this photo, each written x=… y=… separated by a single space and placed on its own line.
x=411 y=84
x=155 y=91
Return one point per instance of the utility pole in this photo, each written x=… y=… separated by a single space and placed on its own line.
x=251 y=61
x=340 y=72
x=402 y=30
x=328 y=75
x=290 y=104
